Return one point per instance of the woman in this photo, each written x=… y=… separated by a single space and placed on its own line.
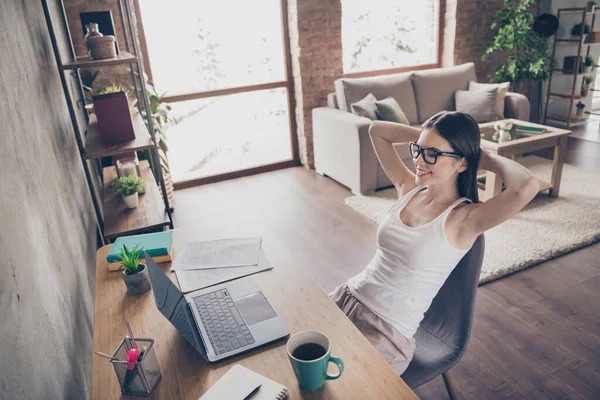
x=429 y=229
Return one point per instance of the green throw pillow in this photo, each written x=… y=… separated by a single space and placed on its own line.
x=388 y=109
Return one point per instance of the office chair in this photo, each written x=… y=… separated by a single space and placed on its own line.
x=443 y=334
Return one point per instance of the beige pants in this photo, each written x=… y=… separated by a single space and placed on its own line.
x=395 y=348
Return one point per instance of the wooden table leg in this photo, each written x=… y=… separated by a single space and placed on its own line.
x=557 y=165
x=493 y=185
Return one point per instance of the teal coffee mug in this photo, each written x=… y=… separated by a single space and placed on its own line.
x=310 y=353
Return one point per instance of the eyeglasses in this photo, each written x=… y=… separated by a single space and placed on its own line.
x=430 y=156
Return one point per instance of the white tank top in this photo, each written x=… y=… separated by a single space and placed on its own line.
x=409 y=267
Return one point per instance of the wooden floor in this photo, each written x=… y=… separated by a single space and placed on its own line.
x=536 y=333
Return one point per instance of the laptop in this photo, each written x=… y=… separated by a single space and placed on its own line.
x=219 y=323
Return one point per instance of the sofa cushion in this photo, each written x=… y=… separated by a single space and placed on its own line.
x=365 y=107
x=388 y=109
x=434 y=88
x=479 y=104
x=398 y=86
x=502 y=89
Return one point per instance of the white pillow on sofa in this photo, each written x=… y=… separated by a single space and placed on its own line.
x=502 y=89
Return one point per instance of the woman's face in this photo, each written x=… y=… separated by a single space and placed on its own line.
x=445 y=168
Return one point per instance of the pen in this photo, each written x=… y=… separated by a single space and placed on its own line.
x=252 y=393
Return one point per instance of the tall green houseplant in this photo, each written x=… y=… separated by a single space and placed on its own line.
x=528 y=55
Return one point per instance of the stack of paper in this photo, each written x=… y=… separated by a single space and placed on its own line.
x=202 y=264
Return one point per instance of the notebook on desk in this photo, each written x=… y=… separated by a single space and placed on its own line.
x=239 y=382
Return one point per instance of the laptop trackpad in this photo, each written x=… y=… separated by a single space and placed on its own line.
x=255 y=308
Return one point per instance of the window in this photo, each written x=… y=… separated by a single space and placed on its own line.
x=389 y=35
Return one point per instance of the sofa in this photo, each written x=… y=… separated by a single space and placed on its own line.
x=342 y=146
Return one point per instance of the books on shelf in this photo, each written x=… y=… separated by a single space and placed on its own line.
x=157 y=245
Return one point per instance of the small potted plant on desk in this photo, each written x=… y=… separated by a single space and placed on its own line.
x=129 y=187
x=135 y=274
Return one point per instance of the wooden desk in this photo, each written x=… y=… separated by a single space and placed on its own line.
x=296 y=297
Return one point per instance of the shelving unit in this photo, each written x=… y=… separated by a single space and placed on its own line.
x=114 y=219
x=570 y=119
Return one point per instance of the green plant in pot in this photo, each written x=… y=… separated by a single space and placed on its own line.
x=135 y=274
x=129 y=187
x=116 y=88
x=576 y=30
x=585 y=86
x=526 y=55
x=589 y=64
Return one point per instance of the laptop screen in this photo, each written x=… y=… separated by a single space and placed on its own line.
x=171 y=303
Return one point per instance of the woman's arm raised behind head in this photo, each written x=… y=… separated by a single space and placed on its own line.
x=383 y=136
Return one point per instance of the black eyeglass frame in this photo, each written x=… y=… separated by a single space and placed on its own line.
x=437 y=153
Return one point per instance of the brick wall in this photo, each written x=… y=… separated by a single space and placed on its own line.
x=316 y=52
x=472 y=21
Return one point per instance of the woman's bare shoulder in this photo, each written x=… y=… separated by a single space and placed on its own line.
x=405 y=188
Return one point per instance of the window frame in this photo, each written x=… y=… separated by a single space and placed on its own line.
x=387 y=71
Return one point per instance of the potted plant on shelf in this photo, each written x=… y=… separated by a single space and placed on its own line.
x=576 y=30
x=129 y=187
x=589 y=64
x=113 y=112
x=590 y=6
x=580 y=106
x=585 y=86
x=135 y=274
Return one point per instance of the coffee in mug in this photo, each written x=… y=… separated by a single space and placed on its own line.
x=310 y=353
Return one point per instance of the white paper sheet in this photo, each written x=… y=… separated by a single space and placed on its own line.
x=190 y=280
x=224 y=253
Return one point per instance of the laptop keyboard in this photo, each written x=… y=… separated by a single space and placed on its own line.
x=226 y=329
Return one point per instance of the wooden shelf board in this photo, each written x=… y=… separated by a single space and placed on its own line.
x=564 y=96
x=87 y=62
x=564 y=123
x=95 y=148
x=120 y=220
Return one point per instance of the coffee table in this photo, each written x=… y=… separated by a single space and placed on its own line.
x=522 y=143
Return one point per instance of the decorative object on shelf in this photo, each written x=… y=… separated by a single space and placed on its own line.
x=529 y=56
x=91 y=32
x=580 y=106
x=585 y=86
x=129 y=187
x=502 y=131
x=589 y=64
x=116 y=88
x=545 y=25
x=135 y=274
x=590 y=6
x=101 y=47
x=114 y=117
x=104 y=22
x=569 y=63
x=576 y=31
x=128 y=166
x=592 y=38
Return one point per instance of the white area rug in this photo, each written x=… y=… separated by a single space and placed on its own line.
x=544 y=229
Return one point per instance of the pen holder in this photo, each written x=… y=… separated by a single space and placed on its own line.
x=136 y=378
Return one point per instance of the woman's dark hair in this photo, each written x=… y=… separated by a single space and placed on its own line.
x=462 y=132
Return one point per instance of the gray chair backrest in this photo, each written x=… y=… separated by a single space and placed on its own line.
x=451 y=312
